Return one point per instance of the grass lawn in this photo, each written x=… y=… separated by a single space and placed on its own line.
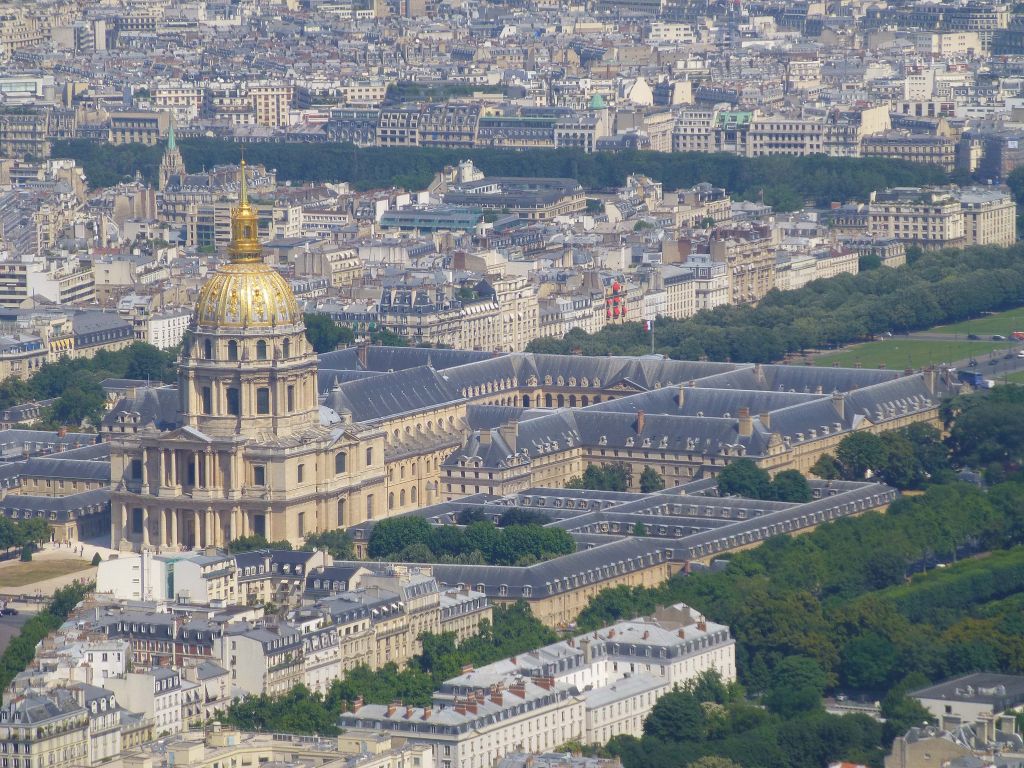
x=17 y=574
x=1003 y=323
x=900 y=353
x=1013 y=378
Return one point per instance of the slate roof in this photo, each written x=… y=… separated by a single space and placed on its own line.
x=405 y=391
x=67 y=469
x=156 y=406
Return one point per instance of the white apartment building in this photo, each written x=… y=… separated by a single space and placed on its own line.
x=155 y=692
x=167 y=328
x=589 y=687
x=926 y=217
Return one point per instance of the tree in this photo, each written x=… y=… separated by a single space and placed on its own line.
x=80 y=404
x=677 y=716
x=147 y=362
x=392 y=535
x=324 y=334
x=255 y=542
x=337 y=543
x=651 y=481
x=790 y=485
x=797 y=685
x=639 y=529
x=826 y=467
x=859 y=452
x=744 y=478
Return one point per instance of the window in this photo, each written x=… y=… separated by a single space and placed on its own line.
x=262 y=400
x=341 y=513
x=136 y=469
x=369 y=457
x=339 y=462
x=369 y=507
x=287 y=347
x=232 y=350
x=208 y=349
x=261 y=350
x=291 y=398
x=234 y=401
x=207 y=396
x=259 y=475
x=301 y=472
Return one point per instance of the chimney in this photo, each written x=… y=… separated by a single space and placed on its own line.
x=680 y=395
x=471 y=706
x=62 y=432
x=510 y=433
x=467 y=668
x=682 y=634
x=702 y=626
x=647 y=635
x=640 y=418
x=427 y=712
x=485 y=437
x=498 y=698
x=408 y=711
x=362 y=350
x=357 y=704
x=480 y=696
x=611 y=633
x=908 y=371
x=746 y=424
x=547 y=682
x=766 y=419
x=518 y=688
x=460 y=707
x=839 y=402
x=393 y=707
x=931 y=379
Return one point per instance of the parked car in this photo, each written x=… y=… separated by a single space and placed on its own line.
x=998 y=337
x=8 y=611
x=973 y=337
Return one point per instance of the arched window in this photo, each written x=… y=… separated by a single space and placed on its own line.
x=547 y=401
x=561 y=401
x=261 y=350
x=391 y=501
x=208 y=349
x=232 y=350
x=526 y=401
x=412 y=494
x=341 y=512
x=401 y=498
x=340 y=460
x=287 y=347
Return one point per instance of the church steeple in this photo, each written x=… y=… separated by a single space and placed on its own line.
x=172 y=167
x=245 y=245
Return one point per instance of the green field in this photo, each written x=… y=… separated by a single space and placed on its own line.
x=1002 y=323
x=18 y=574
x=900 y=353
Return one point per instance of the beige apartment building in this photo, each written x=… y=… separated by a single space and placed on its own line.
x=183 y=100
x=51 y=729
x=929 y=218
x=990 y=216
x=749 y=258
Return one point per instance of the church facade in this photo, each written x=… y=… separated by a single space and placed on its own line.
x=249 y=450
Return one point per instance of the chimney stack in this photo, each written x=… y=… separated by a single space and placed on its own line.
x=746 y=424
x=839 y=403
x=357 y=704
x=509 y=433
x=641 y=417
x=680 y=395
x=427 y=712
x=766 y=419
x=393 y=707
x=408 y=711
x=467 y=668
x=485 y=437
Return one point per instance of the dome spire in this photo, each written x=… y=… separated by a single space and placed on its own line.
x=245 y=244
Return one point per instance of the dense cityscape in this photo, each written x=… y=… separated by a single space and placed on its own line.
x=479 y=384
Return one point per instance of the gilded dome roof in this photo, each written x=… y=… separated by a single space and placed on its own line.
x=246 y=293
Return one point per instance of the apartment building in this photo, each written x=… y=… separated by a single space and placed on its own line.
x=271 y=102
x=166 y=328
x=588 y=688
x=930 y=218
x=531 y=198
x=156 y=692
x=184 y=101
x=917 y=148
x=45 y=729
x=990 y=216
x=149 y=128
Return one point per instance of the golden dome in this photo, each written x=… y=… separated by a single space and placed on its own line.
x=246 y=292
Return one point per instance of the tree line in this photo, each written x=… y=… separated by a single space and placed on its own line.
x=22 y=648
x=412 y=539
x=337 y=543
x=934 y=288
x=786 y=183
